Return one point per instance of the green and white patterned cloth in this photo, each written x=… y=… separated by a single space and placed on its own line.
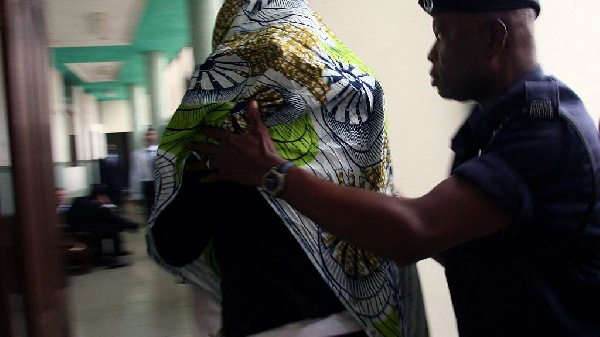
x=325 y=111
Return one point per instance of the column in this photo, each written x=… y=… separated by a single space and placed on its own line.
x=156 y=62
x=202 y=22
x=138 y=115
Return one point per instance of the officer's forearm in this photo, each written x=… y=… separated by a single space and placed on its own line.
x=371 y=220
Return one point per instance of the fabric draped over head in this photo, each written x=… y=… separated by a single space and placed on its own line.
x=325 y=111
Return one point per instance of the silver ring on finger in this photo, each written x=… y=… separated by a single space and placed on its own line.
x=208 y=164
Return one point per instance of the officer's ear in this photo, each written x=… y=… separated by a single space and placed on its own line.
x=497 y=35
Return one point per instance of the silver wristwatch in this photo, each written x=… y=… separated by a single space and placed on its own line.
x=274 y=180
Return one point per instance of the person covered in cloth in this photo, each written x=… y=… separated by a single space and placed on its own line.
x=271 y=269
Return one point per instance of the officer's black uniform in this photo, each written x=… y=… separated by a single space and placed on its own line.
x=536 y=152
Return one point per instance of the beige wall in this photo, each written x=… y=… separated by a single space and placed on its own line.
x=116 y=116
x=569 y=45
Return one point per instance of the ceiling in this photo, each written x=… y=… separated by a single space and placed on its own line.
x=100 y=44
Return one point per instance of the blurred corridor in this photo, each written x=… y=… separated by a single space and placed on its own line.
x=136 y=300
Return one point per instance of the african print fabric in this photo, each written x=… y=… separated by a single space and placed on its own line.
x=325 y=111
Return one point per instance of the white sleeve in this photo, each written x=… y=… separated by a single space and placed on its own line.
x=135 y=184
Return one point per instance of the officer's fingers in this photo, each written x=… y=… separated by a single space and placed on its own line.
x=215 y=133
x=254 y=117
x=204 y=148
x=202 y=165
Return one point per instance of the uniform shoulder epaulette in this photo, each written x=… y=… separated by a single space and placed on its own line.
x=541 y=99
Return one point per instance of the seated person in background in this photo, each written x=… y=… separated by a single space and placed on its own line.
x=272 y=270
x=63 y=204
x=98 y=216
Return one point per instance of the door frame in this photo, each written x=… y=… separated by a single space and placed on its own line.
x=38 y=252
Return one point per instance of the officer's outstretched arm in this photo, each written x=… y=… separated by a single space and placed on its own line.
x=405 y=230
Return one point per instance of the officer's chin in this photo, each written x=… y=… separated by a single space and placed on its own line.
x=443 y=94
x=451 y=95
x=440 y=90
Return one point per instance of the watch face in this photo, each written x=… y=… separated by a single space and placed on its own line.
x=271 y=181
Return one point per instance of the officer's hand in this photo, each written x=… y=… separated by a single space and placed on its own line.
x=239 y=157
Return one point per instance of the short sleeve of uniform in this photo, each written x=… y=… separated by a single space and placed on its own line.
x=509 y=169
x=498 y=179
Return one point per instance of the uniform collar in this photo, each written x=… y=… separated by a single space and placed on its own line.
x=484 y=119
x=516 y=89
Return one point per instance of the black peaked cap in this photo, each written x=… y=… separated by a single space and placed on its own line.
x=434 y=7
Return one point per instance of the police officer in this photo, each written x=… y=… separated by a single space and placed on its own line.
x=517 y=222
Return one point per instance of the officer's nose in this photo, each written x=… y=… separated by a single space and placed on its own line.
x=432 y=55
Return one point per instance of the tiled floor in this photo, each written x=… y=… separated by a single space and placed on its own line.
x=137 y=300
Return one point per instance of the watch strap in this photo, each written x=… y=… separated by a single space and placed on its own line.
x=285 y=166
x=274 y=180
